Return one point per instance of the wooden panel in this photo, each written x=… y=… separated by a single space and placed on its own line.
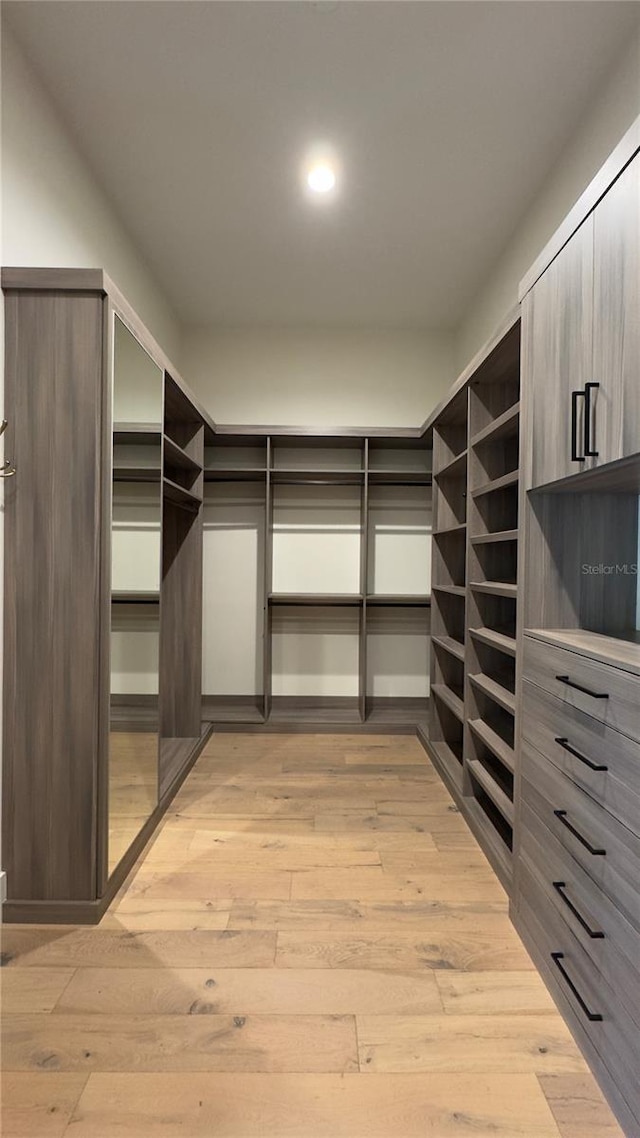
x=54 y=367
x=546 y=719
x=557 y=356
x=585 y=830
x=612 y=695
x=616 y=328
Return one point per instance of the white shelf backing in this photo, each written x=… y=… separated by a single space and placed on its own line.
x=233 y=575
x=315 y=651
x=316 y=539
x=399 y=554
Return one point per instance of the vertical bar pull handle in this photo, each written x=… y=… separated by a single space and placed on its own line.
x=593 y=1017
x=589 y=452
x=575 y=396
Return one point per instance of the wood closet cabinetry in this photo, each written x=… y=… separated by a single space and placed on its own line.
x=581 y=338
x=103 y=591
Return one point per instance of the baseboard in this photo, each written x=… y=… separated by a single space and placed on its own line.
x=91 y=912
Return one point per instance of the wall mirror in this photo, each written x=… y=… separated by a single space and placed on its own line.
x=135 y=590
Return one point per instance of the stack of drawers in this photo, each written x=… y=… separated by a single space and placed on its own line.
x=578 y=878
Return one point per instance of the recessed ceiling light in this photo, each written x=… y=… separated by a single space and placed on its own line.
x=321 y=179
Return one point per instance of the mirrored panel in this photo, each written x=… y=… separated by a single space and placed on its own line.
x=135 y=590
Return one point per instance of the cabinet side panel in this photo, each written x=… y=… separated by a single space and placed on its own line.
x=52 y=582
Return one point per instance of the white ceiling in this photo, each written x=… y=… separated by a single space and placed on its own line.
x=448 y=117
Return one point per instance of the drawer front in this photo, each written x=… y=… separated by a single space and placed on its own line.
x=603 y=762
x=603 y=932
x=582 y=990
x=607 y=850
x=608 y=694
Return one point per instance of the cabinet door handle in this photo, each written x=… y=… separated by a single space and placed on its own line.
x=559 y=887
x=566 y=746
x=561 y=815
x=579 y=687
x=593 y=1017
x=588 y=450
x=575 y=396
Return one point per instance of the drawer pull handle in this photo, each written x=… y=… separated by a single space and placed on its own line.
x=561 y=815
x=559 y=887
x=564 y=743
x=579 y=687
x=593 y=1017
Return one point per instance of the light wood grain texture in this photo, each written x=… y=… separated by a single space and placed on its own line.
x=493 y=993
x=180 y=1043
x=248 y=991
x=320 y=1106
x=35 y=990
x=579 y=1107
x=467 y=1043
x=204 y=993
x=38 y=1108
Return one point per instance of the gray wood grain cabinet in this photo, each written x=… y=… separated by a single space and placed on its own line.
x=581 y=340
x=70 y=724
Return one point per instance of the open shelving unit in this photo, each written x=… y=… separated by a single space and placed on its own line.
x=335 y=530
x=476 y=471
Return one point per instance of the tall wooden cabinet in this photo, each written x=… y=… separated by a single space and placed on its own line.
x=581 y=338
x=103 y=539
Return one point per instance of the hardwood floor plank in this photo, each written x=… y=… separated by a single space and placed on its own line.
x=247 y=991
x=228 y=884
x=332 y=821
x=312 y=1106
x=48 y=946
x=180 y=1043
x=579 y=1107
x=38 y=1108
x=484 y=919
x=494 y=993
x=371 y=884
x=440 y=950
x=36 y=990
x=475 y=1044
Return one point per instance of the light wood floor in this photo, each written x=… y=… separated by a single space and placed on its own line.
x=313 y=947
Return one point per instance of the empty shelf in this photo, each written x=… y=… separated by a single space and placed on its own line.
x=445 y=757
x=453 y=590
x=454 y=647
x=495 y=639
x=235 y=473
x=509 y=479
x=133 y=597
x=454 y=469
x=328 y=714
x=181 y=497
x=495 y=588
x=505 y=425
x=137 y=433
x=411 y=601
x=494 y=742
x=450 y=530
x=500 y=535
x=400 y=477
x=315 y=598
x=174 y=455
x=126 y=473
x=227 y=709
x=449 y=697
x=491 y=840
x=495 y=691
x=316 y=477
x=493 y=789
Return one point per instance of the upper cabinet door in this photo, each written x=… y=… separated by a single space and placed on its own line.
x=615 y=424
x=557 y=346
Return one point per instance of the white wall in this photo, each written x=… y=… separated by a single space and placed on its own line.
x=604 y=124
x=294 y=377
x=54 y=213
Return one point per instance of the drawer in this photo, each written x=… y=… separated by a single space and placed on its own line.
x=608 y=694
x=602 y=930
x=607 y=850
x=584 y=996
x=603 y=762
